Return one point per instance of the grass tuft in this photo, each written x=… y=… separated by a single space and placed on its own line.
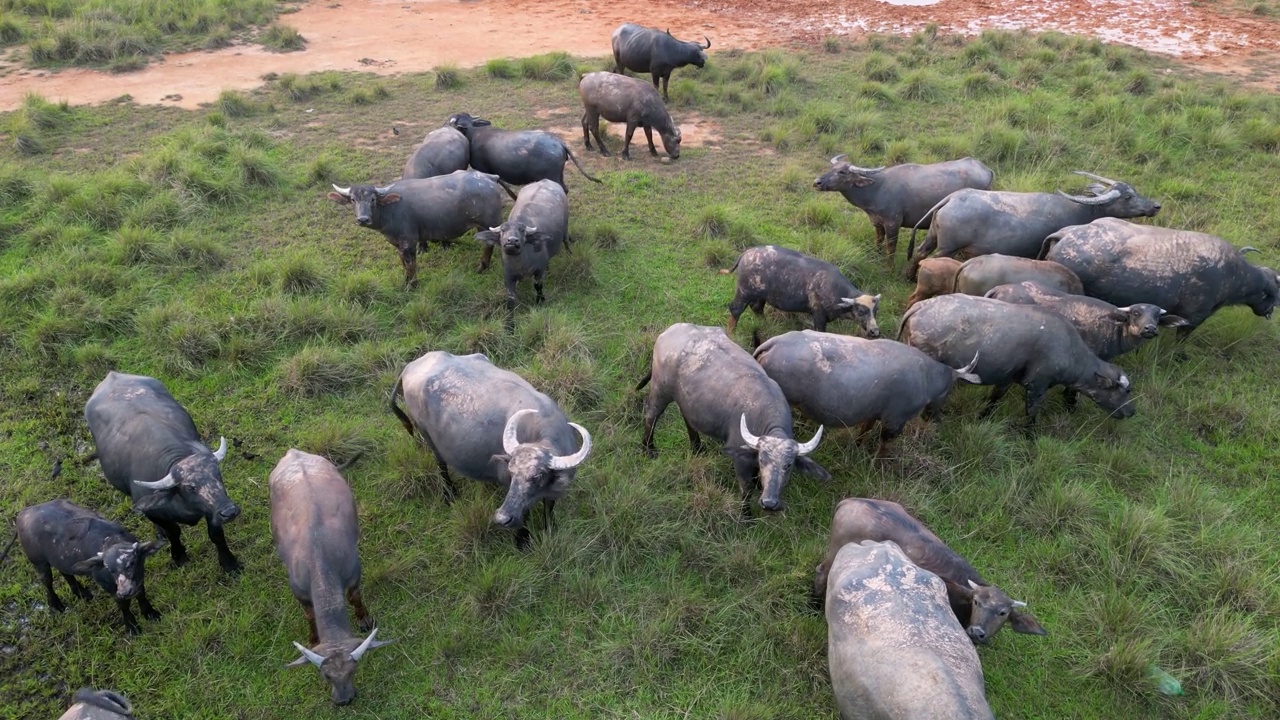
x=502 y=68
x=549 y=67
x=282 y=38
x=447 y=77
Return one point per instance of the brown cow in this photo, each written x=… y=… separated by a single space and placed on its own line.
x=936 y=276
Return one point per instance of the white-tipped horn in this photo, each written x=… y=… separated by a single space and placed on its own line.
x=848 y=302
x=566 y=462
x=368 y=644
x=1102 y=199
x=839 y=157
x=221 y=453
x=163 y=483
x=531 y=228
x=751 y=440
x=496 y=229
x=1019 y=604
x=382 y=190
x=812 y=445
x=313 y=657
x=1249 y=249
x=1124 y=381
x=509 y=441
x=1091 y=176
x=867 y=171
x=973 y=585
x=344 y=192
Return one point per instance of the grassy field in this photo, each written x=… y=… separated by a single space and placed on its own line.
x=200 y=248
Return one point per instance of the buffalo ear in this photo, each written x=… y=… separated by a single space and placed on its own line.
x=744 y=453
x=807 y=466
x=961 y=590
x=488 y=237
x=88 y=566
x=147 y=549
x=389 y=198
x=1118 y=316
x=862 y=181
x=339 y=198
x=153 y=501
x=1026 y=623
x=1168 y=320
x=537 y=239
x=480 y=122
x=501 y=458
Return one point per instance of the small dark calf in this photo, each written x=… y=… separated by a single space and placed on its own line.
x=536 y=230
x=622 y=99
x=794 y=282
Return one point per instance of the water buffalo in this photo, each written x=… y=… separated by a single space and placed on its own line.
x=1017 y=344
x=519 y=157
x=98 y=705
x=978 y=275
x=936 y=276
x=622 y=99
x=894 y=648
x=60 y=535
x=149 y=450
x=650 y=50
x=409 y=213
x=1189 y=274
x=492 y=425
x=442 y=152
x=723 y=393
x=982 y=608
x=901 y=196
x=535 y=231
x=970 y=223
x=795 y=282
x=845 y=381
x=314 y=528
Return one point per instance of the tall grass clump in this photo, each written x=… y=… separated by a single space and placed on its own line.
x=447 y=77
x=879 y=67
x=501 y=68
x=282 y=38
x=549 y=67
x=12 y=30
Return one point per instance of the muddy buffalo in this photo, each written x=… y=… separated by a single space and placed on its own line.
x=622 y=99
x=978 y=275
x=442 y=152
x=936 y=276
x=519 y=157
x=98 y=705
x=650 y=50
x=795 y=282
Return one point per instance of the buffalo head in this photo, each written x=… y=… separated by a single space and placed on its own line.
x=1144 y=320
x=366 y=198
x=671 y=142
x=513 y=236
x=1109 y=388
x=775 y=456
x=195 y=480
x=1264 y=302
x=1117 y=199
x=124 y=563
x=464 y=122
x=845 y=176
x=337 y=663
x=992 y=608
x=863 y=309
x=534 y=471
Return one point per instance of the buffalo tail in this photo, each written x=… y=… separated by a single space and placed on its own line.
x=8 y=547
x=584 y=172
x=645 y=380
x=404 y=419
x=507 y=188
x=911 y=246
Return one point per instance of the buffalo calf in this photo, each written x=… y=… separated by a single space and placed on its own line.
x=795 y=282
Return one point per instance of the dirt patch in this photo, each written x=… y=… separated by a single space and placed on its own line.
x=395 y=36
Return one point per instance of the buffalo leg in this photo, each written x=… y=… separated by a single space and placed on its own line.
x=819 y=321
x=626 y=145
x=933 y=411
x=653 y=409
x=363 y=621
x=130 y=622
x=1184 y=332
x=46 y=579
x=926 y=247
x=313 y=635
x=79 y=590
x=586 y=132
x=523 y=536
x=745 y=472
x=757 y=307
x=450 y=491
x=1035 y=397
x=879 y=236
x=539 y=298
x=891 y=241
x=409 y=259
x=548 y=514
x=887 y=436
x=225 y=558
x=648 y=135
x=511 y=295
x=173 y=534
x=695 y=440
x=863 y=429
x=486 y=257
x=144 y=605
x=997 y=393
x=736 y=306
x=666 y=80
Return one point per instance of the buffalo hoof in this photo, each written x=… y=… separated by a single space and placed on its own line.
x=83 y=593
x=57 y=605
x=230 y=565
x=180 y=559
x=133 y=628
x=650 y=452
x=653 y=153
x=524 y=539
x=151 y=614
x=365 y=625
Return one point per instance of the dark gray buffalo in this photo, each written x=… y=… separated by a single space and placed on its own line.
x=795 y=282
x=409 y=213
x=535 y=231
x=969 y=223
x=60 y=535
x=1189 y=274
x=844 y=381
x=98 y=705
x=901 y=196
x=443 y=151
x=622 y=99
x=519 y=157
x=723 y=393
x=150 y=451
x=650 y=50
x=894 y=648
x=492 y=425
x=1020 y=344
x=978 y=275
x=982 y=609
x=314 y=527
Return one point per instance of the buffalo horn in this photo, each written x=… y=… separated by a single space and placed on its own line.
x=568 y=462
x=163 y=483
x=221 y=452
x=812 y=445
x=368 y=643
x=839 y=157
x=708 y=46
x=382 y=190
x=1126 y=309
x=1019 y=604
x=847 y=302
x=307 y=654
x=1091 y=176
x=867 y=171
x=751 y=440
x=344 y=192
x=497 y=229
x=509 y=442
x=1102 y=199
x=531 y=228
x=1248 y=249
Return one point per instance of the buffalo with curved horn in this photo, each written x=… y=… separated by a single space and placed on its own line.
x=650 y=50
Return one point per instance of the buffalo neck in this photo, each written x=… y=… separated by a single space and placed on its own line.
x=328 y=600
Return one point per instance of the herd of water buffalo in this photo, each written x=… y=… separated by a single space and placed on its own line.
x=1053 y=287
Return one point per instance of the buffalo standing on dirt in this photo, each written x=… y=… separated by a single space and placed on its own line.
x=149 y=450
x=982 y=609
x=442 y=152
x=795 y=282
x=519 y=157
x=98 y=705
x=622 y=99
x=970 y=223
x=536 y=230
x=978 y=275
x=723 y=393
x=650 y=50
x=894 y=649
x=314 y=528
x=901 y=196
x=1189 y=274
x=843 y=381
x=60 y=535
x=409 y=213
x=1016 y=344
x=492 y=425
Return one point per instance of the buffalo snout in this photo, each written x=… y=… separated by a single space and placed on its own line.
x=772 y=504
x=229 y=512
x=343 y=697
x=363 y=219
x=977 y=635
x=873 y=333
x=503 y=519
x=1127 y=410
x=1149 y=331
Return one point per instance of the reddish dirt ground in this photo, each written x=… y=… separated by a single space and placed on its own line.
x=394 y=36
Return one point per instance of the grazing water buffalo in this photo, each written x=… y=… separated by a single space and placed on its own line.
x=894 y=648
x=98 y=705
x=409 y=213
x=795 y=282
x=936 y=276
x=1017 y=344
x=491 y=425
x=650 y=50
x=844 y=381
x=979 y=222
x=536 y=230
x=443 y=151
x=149 y=450
x=1187 y=273
x=723 y=393
x=60 y=535
x=622 y=99
x=900 y=196
x=314 y=528
x=982 y=608
x=978 y=275
x=517 y=156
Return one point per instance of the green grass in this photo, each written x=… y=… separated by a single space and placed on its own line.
x=282 y=38
x=200 y=248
